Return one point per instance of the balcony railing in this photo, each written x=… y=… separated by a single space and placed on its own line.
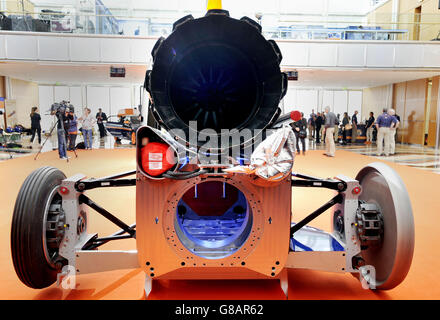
x=100 y=20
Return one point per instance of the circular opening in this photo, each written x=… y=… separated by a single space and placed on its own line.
x=215 y=85
x=213 y=219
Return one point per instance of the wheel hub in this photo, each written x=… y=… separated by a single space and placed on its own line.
x=55 y=231
x=369 y=223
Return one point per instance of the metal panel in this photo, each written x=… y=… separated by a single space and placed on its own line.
x=351 y=55
x=341 y=102
x=45 y=101
x=294 y=53
x=101 y=261
x=355 y=103
x=53 y=48
x=120 y=98
x=2 y=47
x=141 y=50
x=380 y=55
x=61 y=93
x=330 y=261
x=431 y=56
x=98 y=97
x=76 y=98
x=21 y=47
x=115 y=50
x=408 y=55
x=328 y=100
x=84 y=49
x=262 y=255
x=323 y=55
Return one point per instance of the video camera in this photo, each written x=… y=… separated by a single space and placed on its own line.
x=62 y=107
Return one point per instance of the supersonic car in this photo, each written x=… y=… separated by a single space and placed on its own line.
x=124 y=125
x=198 y=217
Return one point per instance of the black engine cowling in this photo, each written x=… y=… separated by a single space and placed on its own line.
x=218 y=71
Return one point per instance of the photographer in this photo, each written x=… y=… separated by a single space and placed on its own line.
x=59 y=110
x=72 y=130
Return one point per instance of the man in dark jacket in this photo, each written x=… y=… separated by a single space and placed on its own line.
x=318 y=124
x=100 y=118
x=370 y=128
x=354 y=122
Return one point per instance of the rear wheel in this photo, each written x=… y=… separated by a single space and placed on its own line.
x=385 y=200
x=38 y=229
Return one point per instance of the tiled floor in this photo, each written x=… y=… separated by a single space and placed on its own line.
x=414 y=156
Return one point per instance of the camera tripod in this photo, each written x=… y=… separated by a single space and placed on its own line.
x=63 y=137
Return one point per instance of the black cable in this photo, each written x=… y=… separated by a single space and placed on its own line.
x=180 y=176
x=181 y=173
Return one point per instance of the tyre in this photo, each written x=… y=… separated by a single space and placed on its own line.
x=392 y=257
x=38 y=229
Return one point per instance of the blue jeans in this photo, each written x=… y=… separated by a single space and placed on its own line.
x=88 y=138
x=61 y=143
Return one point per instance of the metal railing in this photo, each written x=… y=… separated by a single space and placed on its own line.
x=97 y=19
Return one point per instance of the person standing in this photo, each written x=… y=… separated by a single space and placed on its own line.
x=35 y=124
x=72 y=131
x=398 y=119
x=61 y=132
x=329 y=127
x=300 y=129
x=312 y=120
x=87 y=122
x=354 y=123
x=393 y=129
x=322 y=133
x=100 y=118
x=318 y=125
x=370 y=128
x=345 y=124
x=383 y=124
x=338 y=120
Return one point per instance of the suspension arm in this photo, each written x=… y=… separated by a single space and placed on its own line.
x=328 y=184
x=83 y=199
x=316 y=213
x=103 y=183
x=96 y=242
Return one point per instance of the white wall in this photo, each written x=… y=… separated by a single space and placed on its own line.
x=354 y=102
x=339 y=101
x=21 y=97
x=46 y=99
x=109 y=98
x=299 y=53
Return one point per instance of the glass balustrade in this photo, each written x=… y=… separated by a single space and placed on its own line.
x=93 y=17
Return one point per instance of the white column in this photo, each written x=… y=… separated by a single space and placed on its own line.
x=395 y=14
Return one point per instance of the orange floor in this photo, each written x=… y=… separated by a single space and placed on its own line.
x=423 y=281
